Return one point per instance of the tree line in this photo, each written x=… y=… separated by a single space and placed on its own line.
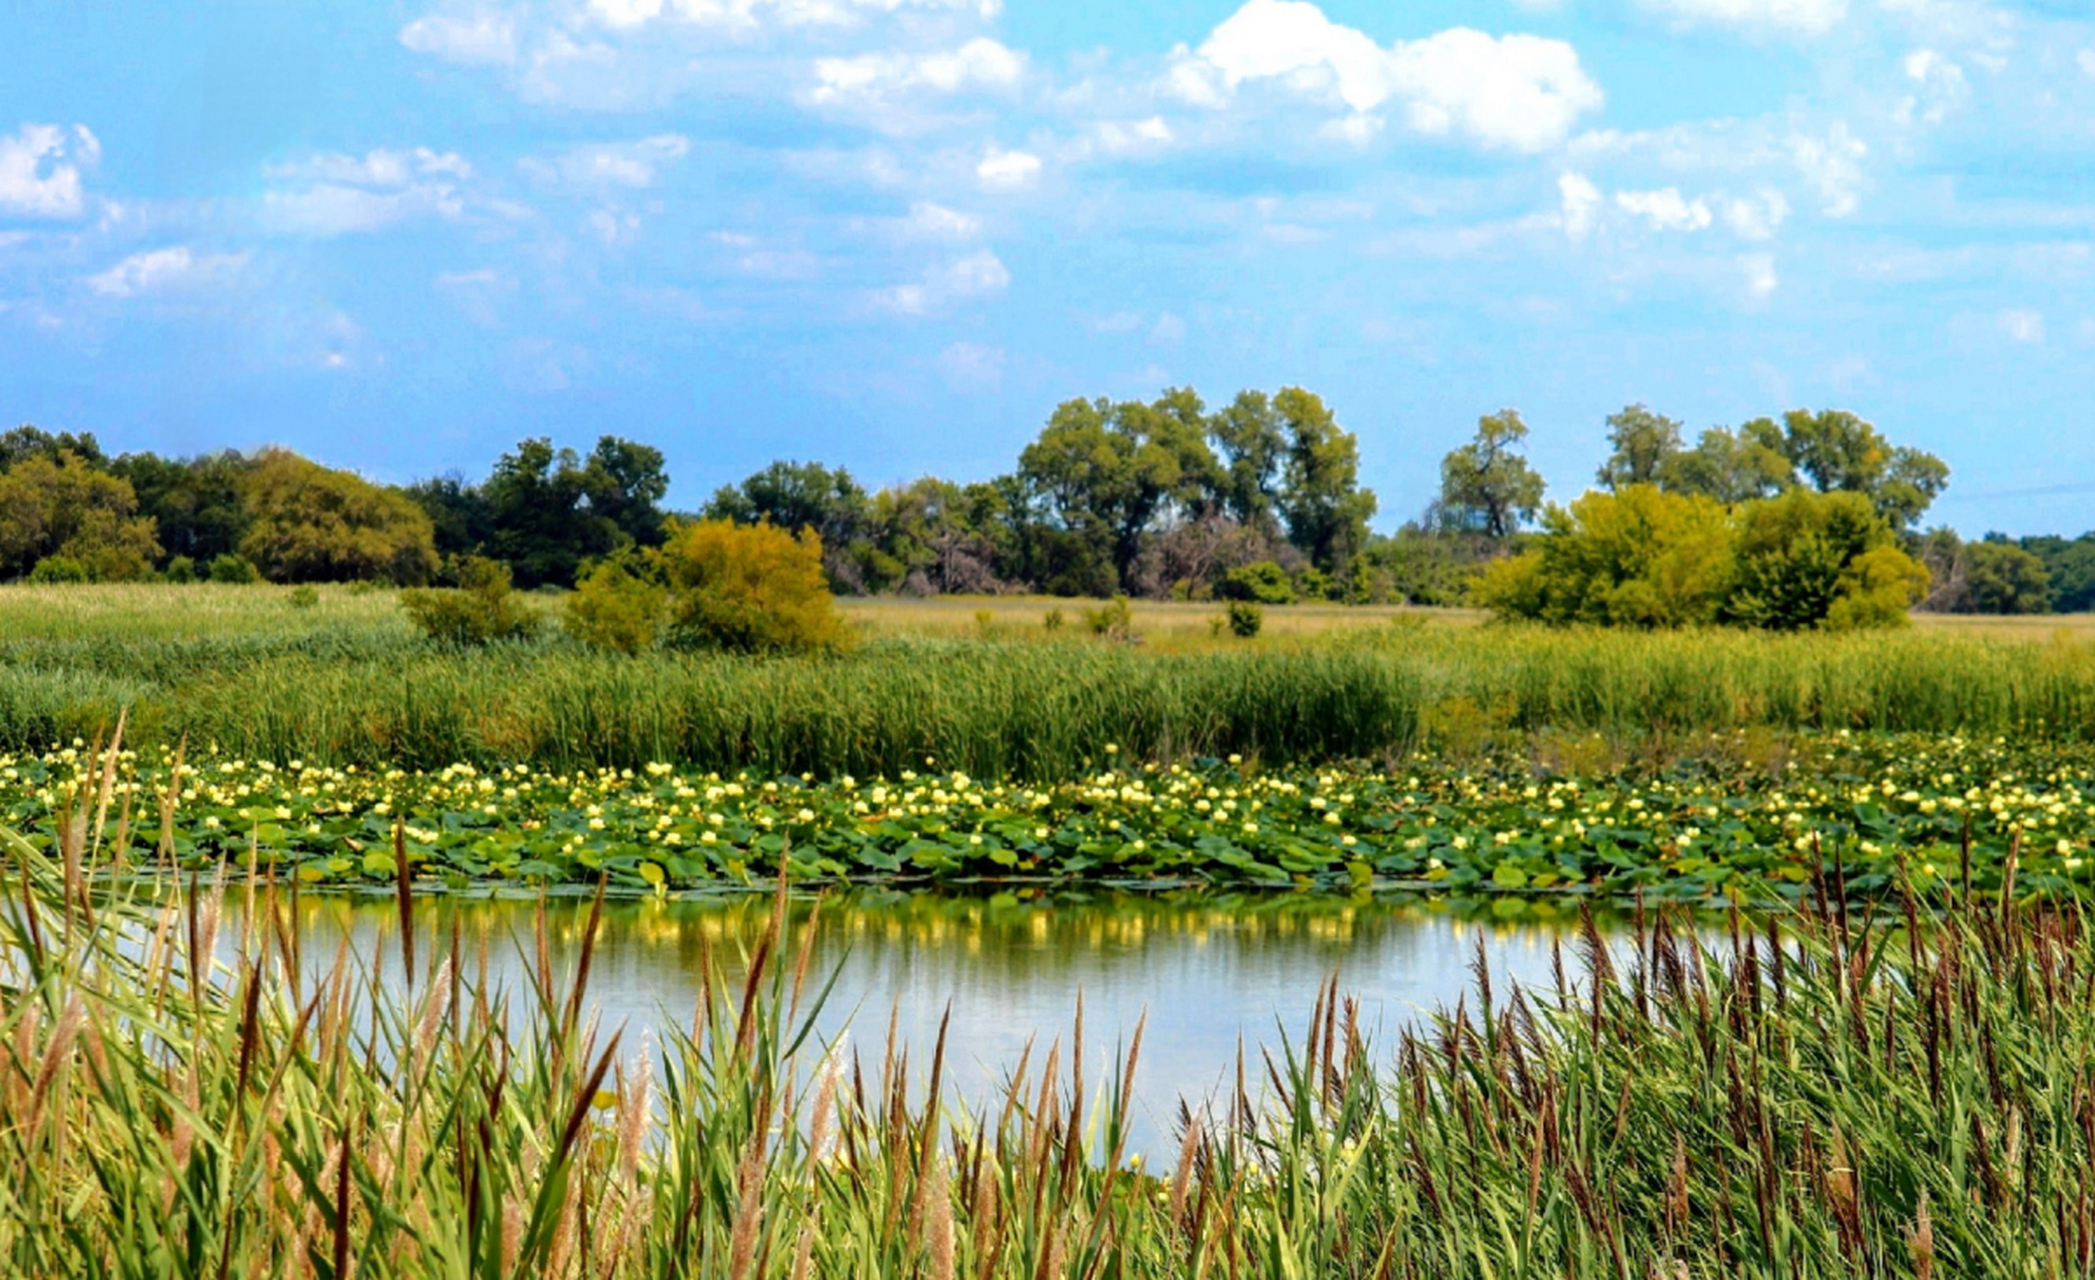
x=1259 y=499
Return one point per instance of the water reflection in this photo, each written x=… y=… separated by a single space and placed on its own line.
x=1210 y=971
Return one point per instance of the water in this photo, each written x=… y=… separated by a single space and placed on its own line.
x=1208 y=972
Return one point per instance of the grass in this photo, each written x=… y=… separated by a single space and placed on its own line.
x=347 y=682
x=1817 y=1095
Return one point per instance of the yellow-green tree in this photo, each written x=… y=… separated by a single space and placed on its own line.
x=1638 y=557
x=317 y=524
x=748 y=588
x=61 y=508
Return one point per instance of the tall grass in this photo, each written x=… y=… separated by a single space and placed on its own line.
x=1818 y=1096
x=270 y=683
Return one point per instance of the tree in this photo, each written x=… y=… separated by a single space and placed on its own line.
x=1321 y=500
x=1486 y=486
x=1637 y=557
x=624 y=483
x=26 y=442
x=804 y=495
x=62 y=507
x=317 y=524
x=748 y=589
x=1732 y=469
x=458 y=511
x=1645 y=445
x=198 y=503
x=1254 y=447
x=2069 y=565
x=538 y=522
x=2000 y=577
x=1803 y=554
x=1840 y=453
x=1106 y=471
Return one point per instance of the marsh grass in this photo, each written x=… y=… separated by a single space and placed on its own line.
x=1829 y=1093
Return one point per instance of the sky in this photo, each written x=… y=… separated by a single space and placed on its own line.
x=401 y=235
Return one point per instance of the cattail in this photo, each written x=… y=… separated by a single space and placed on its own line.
x=633 y=1113
x=748 y=1210
x=434 y=1003
x=1182 y=1177
x=938 y=1223
x=804 y=1253
x=56 y=1055
x=1922 y=1241
x=825 y=1105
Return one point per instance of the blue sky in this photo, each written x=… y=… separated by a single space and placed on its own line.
x=401 y=234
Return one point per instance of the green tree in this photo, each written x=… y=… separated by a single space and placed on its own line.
x=1801 y=554
x=457 y=511
x=624 y=483
x=1487 y=486
x=1732 y=468
x=199 y=504
x=1996 y=576
x=2069 y=565
x=316 y=524
x=1253 y=444
x=805 y=495
x=1637 y=557
x=1838 y=452
x=62 y=507
x=1644 y=443
x=539 y=523
x=1106 y=471
x=1321 y=500
x=26 y=442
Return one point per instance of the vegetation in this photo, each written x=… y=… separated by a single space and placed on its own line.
x=480 y=610
x=1825 y=1096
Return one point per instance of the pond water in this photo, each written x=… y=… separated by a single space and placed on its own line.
x=1209 y=972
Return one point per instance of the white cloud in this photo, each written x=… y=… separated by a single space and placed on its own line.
x=334 y=193
x=1758 y=270
x=612 y=164
x=1939 y=87
x=1834 y=165
x=1002 y=170
x=749 y=16
x=1807 y=17
x=937 y=222
x=1665 y=209
x=1581 y=201
x=2087 y=61
x=1169 y=330
x=165 y=271
x=981 y=63
x=40 y=168
x=478 y=293
x=1758 y=216
x=480 y=39
x=381 y=167
x=1133 y=137
x=1518 y=91
x=975 y=276
x=2022 y=325
x=756 y=258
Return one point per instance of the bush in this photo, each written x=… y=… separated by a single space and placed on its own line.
x=1801 y=555
x=1245 y=619
x=616 y=608
x=304 y=597
x=1261 y=583
x=180 y=569
x=234 y=569
x=59 y=569
x=1114 y=622
x=481 y=609
x=748 y=589
x=1640 y=557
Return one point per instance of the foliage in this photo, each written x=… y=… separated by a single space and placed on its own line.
x=1840 y=453
x=546 y=512
x=1644 y=444
x=198 y=505
x=619 y=606
x=1264 y=582
x=27 y=442
x=2069 y=567
x=55 y=569
x=1487 y=486
x=480 y=610
x=180 y=570
x=748 y=589
x=1113 y=621
x=314 y=524
x=1637 y=557
x=1801 y=554
x=1733 y=468
x=233 y=569
x=304 y=597
x=1992 y=576
x=61 y=506
x=1245 y=619
x=1321 y=501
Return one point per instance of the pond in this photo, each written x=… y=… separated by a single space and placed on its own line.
x=1209 y=972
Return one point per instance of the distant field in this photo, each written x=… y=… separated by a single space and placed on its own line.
x=345 y=680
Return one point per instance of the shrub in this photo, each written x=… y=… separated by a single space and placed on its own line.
x=316 y=524
x=1640 y=557
x=617 y=608
x=1803 y=553
x=1262 y=583
x=481 y=609
x=1876 y=589
x=1245 y=619
x=234 y=569
x=1116 y=621
x=748 y=589
x=181 y=569
x=59 y=569
x=304 y=597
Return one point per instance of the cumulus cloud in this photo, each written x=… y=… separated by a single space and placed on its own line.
x=1519 y=91
x=1665 y=209
x=1581 y=200
x=633 y=165
x=334 y=193
x=1758 y=216
x=1758 y=273
x=477 y=39
x=977 y=275
x=166 y=271
x=1132 y=137
x=1807 y=17
x=1002 y=170
x=40 y=168
x=751 y=15
x=2022 y=325
x=1939 y=87
x=981 y=63
x=937 y=222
